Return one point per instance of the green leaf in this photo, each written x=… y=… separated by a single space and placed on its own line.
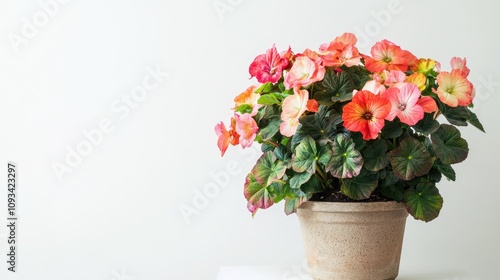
x=265 y=88
x=298 y=179
x=312 y=186
x=266 y=114
x=269 y=99
x=427 y=125
x=271 y=129
x=392 y=129
x=335 y=87
x=358 y=74
x=283 y=154
x=424 y=202
x=473 y=120
x=304 y=159
x=357 y=138
x=291 y=204
x=267 y=170
x=257 y=194
x=410 y=159
x=244 y=109
x=375 y=156
x=323 y=124
x=455 y=115
x=361 y=186
x=391 y=187
x=346 y=161
x=446 y=170
x=448 y=144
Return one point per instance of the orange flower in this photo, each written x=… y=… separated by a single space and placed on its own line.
x=417 y=79
x=248 y=97
x=388 y=56
x=366 y=113
x=341 y=51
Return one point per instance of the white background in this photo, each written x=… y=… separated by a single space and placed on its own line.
x=116 y=215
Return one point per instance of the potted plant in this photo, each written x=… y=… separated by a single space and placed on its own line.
x=352 y=143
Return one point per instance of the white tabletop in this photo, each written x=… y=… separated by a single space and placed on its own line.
x=300 y=273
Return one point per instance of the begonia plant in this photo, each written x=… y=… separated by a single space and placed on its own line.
x=334 y=122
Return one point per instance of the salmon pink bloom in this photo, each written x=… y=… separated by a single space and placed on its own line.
x=388 y=56
x=374 y=86
x=247 y=128
x=268 y=67
x=404 y=100
x=341 y=51
x=226 y=137
x=248 y=97
x=454 y=89
x=293 y=107
x=304 y=72
x=366 y=113
x=460 y=64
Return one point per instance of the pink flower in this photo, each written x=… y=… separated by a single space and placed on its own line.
x=460 y=64
x=226 y=137
x=388 y=56
x=341 y=51
x=374 y=87
x=247 y=128
x=293 y=107
x=454 y=89
x=304 y=72
x=405 y=105
x=268 y=67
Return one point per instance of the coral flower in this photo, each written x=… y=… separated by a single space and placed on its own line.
x=374 y=86
x=388 y=56
x=248 y=97
x=226 y=137
x=341 y=51
x=460 y=64
x=454 y=89
x=293 y=107
x=268 y=67
x=366 y=114
x=405 y=105
x=304 y=72
x=247 y=128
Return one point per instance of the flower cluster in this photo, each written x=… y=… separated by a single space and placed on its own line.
x=339 y=121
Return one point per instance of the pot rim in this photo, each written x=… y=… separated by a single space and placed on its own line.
x=376 y=206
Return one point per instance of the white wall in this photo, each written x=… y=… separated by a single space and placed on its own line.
x=116 y=214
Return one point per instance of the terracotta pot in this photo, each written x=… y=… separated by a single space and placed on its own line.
x=360 y=240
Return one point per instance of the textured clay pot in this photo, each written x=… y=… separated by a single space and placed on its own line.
x=360 y=240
